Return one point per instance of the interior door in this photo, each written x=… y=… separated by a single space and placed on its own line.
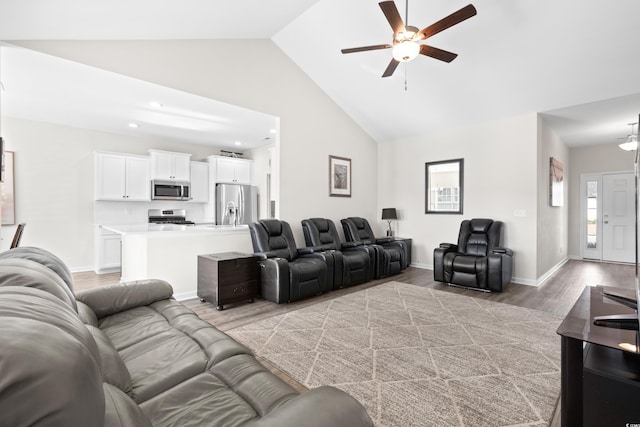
x=618 y=225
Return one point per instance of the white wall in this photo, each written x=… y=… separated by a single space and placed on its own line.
x=594 y=159
x=54 y=182
x=553 y=221
x=499 y=177
x=253 y=74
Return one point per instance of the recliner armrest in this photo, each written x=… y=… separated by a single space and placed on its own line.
x=350 y=245
x=383 y=240
x=502 y=251
x=265 y=255
x=449 y=246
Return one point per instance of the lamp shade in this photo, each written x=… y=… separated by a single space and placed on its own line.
x=389 y=213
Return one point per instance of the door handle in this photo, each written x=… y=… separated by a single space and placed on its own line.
x=606 y=222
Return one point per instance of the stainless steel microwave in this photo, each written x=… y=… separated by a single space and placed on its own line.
x=170 y=190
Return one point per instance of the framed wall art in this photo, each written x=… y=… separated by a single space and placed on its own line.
x=339 y=177
x=556 y=182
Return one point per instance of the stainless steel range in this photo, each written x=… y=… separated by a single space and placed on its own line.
x=169 y=216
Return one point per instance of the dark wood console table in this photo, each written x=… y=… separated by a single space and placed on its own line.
x=600 y=380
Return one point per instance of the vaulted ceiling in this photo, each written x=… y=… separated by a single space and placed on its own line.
x=574 y=61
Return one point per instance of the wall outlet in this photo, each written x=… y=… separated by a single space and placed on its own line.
x=521 y=213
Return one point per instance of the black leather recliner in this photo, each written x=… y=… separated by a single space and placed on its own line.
x=352 y=259
x=477 y=261
x=287 y=273
x=391 y=255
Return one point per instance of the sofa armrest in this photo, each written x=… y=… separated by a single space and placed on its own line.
x=108 y=300
x=319 y=407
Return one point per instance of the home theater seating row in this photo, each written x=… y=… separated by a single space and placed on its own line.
x=130 y=355
x=289 y=273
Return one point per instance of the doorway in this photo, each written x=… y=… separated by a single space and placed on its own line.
x=607 y=216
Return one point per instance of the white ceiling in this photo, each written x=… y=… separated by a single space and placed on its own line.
x=515 y=56
x=50 y=89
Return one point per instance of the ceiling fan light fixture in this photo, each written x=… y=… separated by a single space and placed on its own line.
x=630 y=144
x=405 y=51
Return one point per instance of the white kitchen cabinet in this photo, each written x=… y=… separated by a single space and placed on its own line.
x=108 y=252
x=167 y=165
x=231 y=170
x=199 y=182
x=122 y=177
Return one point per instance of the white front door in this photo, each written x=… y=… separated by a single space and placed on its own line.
x=618 y=225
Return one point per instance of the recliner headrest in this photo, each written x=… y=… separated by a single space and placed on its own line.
x=273 y=226
x=322 y=224
x=480 y=225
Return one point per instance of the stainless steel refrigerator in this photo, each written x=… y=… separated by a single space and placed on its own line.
x=236 y=204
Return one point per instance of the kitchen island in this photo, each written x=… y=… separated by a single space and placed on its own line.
x=170 y=252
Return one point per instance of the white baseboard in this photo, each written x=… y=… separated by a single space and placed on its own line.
x=552 y=270
x=81 y=269
x=422 y=266
x=185 y=295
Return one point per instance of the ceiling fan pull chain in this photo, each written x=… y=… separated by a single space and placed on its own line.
x=405 y=76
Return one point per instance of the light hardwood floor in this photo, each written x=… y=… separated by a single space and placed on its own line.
x=556 y=295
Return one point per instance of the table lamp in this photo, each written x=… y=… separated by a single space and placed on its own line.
x=389 y=214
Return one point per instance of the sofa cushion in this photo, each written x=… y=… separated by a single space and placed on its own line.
x=49 y=363
x=164 y=344
x=203 y=400
x=121 y=411
x=28 y=273
x=113 y=368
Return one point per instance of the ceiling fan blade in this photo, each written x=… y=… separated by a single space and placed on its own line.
x=436 y=53
x=449 y=21
x=390 y=68
x=365 y=48
x=393 y=16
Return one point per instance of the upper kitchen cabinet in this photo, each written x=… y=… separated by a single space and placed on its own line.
x=199 y=182
x=122 y=177
x=167 y=165
x=232 y=170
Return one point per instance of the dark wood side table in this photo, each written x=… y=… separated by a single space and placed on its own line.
x=227 y=277
x=600 y=366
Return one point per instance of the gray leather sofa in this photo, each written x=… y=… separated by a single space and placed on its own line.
x=130 y=355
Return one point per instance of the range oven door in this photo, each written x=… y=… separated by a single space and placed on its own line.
x=170 y=190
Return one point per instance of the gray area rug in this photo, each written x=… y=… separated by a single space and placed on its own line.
x=420 y=357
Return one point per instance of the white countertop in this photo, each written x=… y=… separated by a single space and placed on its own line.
x=173 y=229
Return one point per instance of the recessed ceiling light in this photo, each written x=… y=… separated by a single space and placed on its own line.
x=273 y=131
x=156 y=104
x=238 y=143
x=134 y=125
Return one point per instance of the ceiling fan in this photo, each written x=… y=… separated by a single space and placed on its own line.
x=406 y=38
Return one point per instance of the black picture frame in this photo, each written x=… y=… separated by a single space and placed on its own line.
x=444 y=187
x=339 y=176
